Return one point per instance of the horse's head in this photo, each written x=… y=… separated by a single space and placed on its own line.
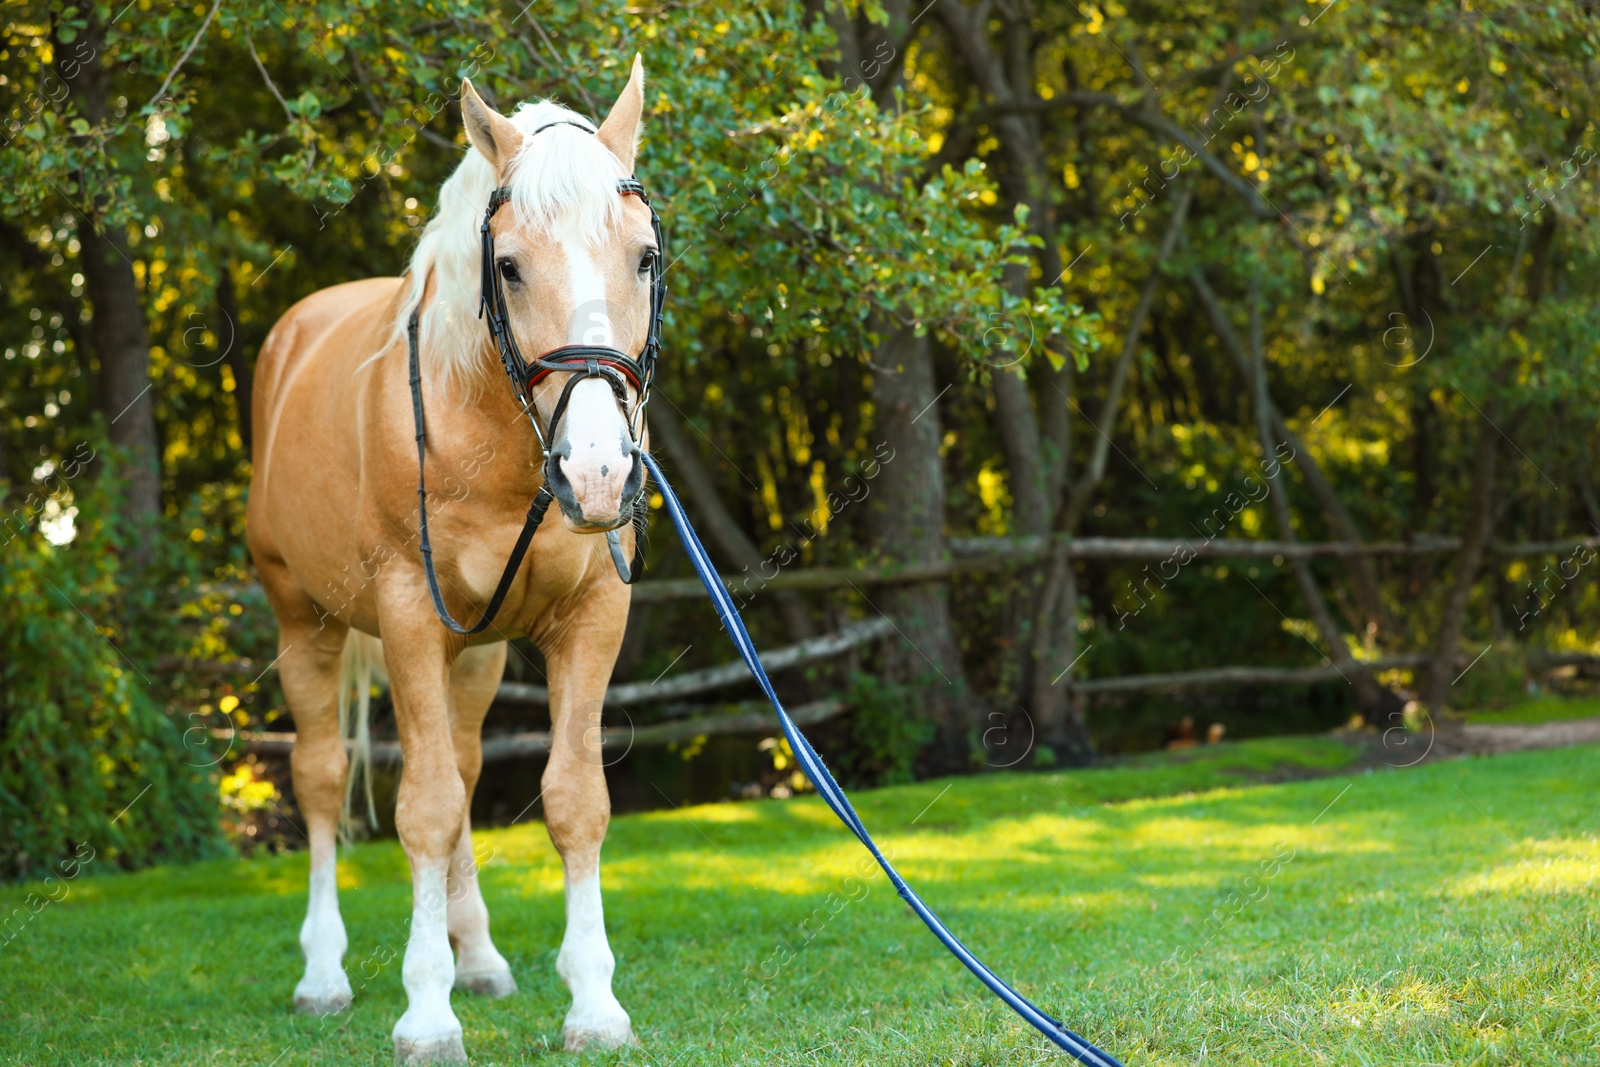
x=574 y=259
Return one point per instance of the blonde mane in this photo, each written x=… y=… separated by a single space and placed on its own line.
x=564 y=178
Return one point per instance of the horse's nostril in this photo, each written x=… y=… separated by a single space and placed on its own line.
x=633 y=485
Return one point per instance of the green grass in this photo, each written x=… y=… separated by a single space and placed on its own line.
x=1440 y=915
x=1541 y=709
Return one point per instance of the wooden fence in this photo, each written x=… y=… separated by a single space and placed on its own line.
x=967 y=555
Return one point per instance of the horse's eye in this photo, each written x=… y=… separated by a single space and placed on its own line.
x=508 y=271
x=648 y=261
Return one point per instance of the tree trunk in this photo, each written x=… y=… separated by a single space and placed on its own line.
x=1363 y=575
x=1485 y=458
x=119 y=331
x=1475 y=538
x=1376 y=703
x=1058 y=713
x=905 y=520
x=1030 y=504
x=870 y=55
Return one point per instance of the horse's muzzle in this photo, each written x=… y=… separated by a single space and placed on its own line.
x=592 y=496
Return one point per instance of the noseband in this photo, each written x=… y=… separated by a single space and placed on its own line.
x=617 y=368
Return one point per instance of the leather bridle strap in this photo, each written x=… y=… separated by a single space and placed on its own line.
x=536 y=510
x=595 y=361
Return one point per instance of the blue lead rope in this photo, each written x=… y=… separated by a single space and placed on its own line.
x=829 y=790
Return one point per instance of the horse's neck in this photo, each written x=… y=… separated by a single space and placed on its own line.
x=483 y=439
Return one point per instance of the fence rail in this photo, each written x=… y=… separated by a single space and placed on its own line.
x=978 y=554
x=852 y=635
x=1171 y=680
x=753 y=717
x=967 y=555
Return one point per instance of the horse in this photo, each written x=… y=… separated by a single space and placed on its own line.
x=333 y=527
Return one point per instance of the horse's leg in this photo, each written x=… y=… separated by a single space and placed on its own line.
x=429 y=815
x=577 y=809
x=309 y=651
x=479 y=967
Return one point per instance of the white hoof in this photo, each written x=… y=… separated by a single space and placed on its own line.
x=328 y=997
x=605 y=1029
x=446 y=1048
x=492 y=984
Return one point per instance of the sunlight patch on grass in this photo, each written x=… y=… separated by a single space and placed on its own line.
x=1550 y=867
x=1404 y=929
x=535 y=882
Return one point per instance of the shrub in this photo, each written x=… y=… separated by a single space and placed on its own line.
x=88 y=756
x=886 y=730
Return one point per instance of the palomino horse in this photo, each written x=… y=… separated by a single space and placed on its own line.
x=333 y=527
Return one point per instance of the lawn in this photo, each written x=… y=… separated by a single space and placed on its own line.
x=1538 y=710
x=1445 y=914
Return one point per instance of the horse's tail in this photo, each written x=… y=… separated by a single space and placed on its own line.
x=363 y=657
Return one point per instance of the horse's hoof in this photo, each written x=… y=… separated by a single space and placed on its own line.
x=446 y=1049
x=493 y=984
x=325 y=997
x=328 y=1004
x=596 y=1034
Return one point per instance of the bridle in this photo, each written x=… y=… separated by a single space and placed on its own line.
x=617 y=368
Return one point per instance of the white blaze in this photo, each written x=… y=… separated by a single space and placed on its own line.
x=591 y=316
x=594 y=426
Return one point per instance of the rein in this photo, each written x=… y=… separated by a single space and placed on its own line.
x=834 y=796
x=620 y=369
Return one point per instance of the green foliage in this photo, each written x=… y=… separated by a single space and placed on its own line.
x=89 y=759
x=1392 y=143
x=1499 y=679
x=886 y=728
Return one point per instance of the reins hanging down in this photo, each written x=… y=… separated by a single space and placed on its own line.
x=834 y=796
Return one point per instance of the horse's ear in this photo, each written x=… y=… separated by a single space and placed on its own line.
x=620 y=131
x=490 y=132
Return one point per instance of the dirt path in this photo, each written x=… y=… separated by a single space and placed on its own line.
x=1396 y=748
x=1483 y=740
